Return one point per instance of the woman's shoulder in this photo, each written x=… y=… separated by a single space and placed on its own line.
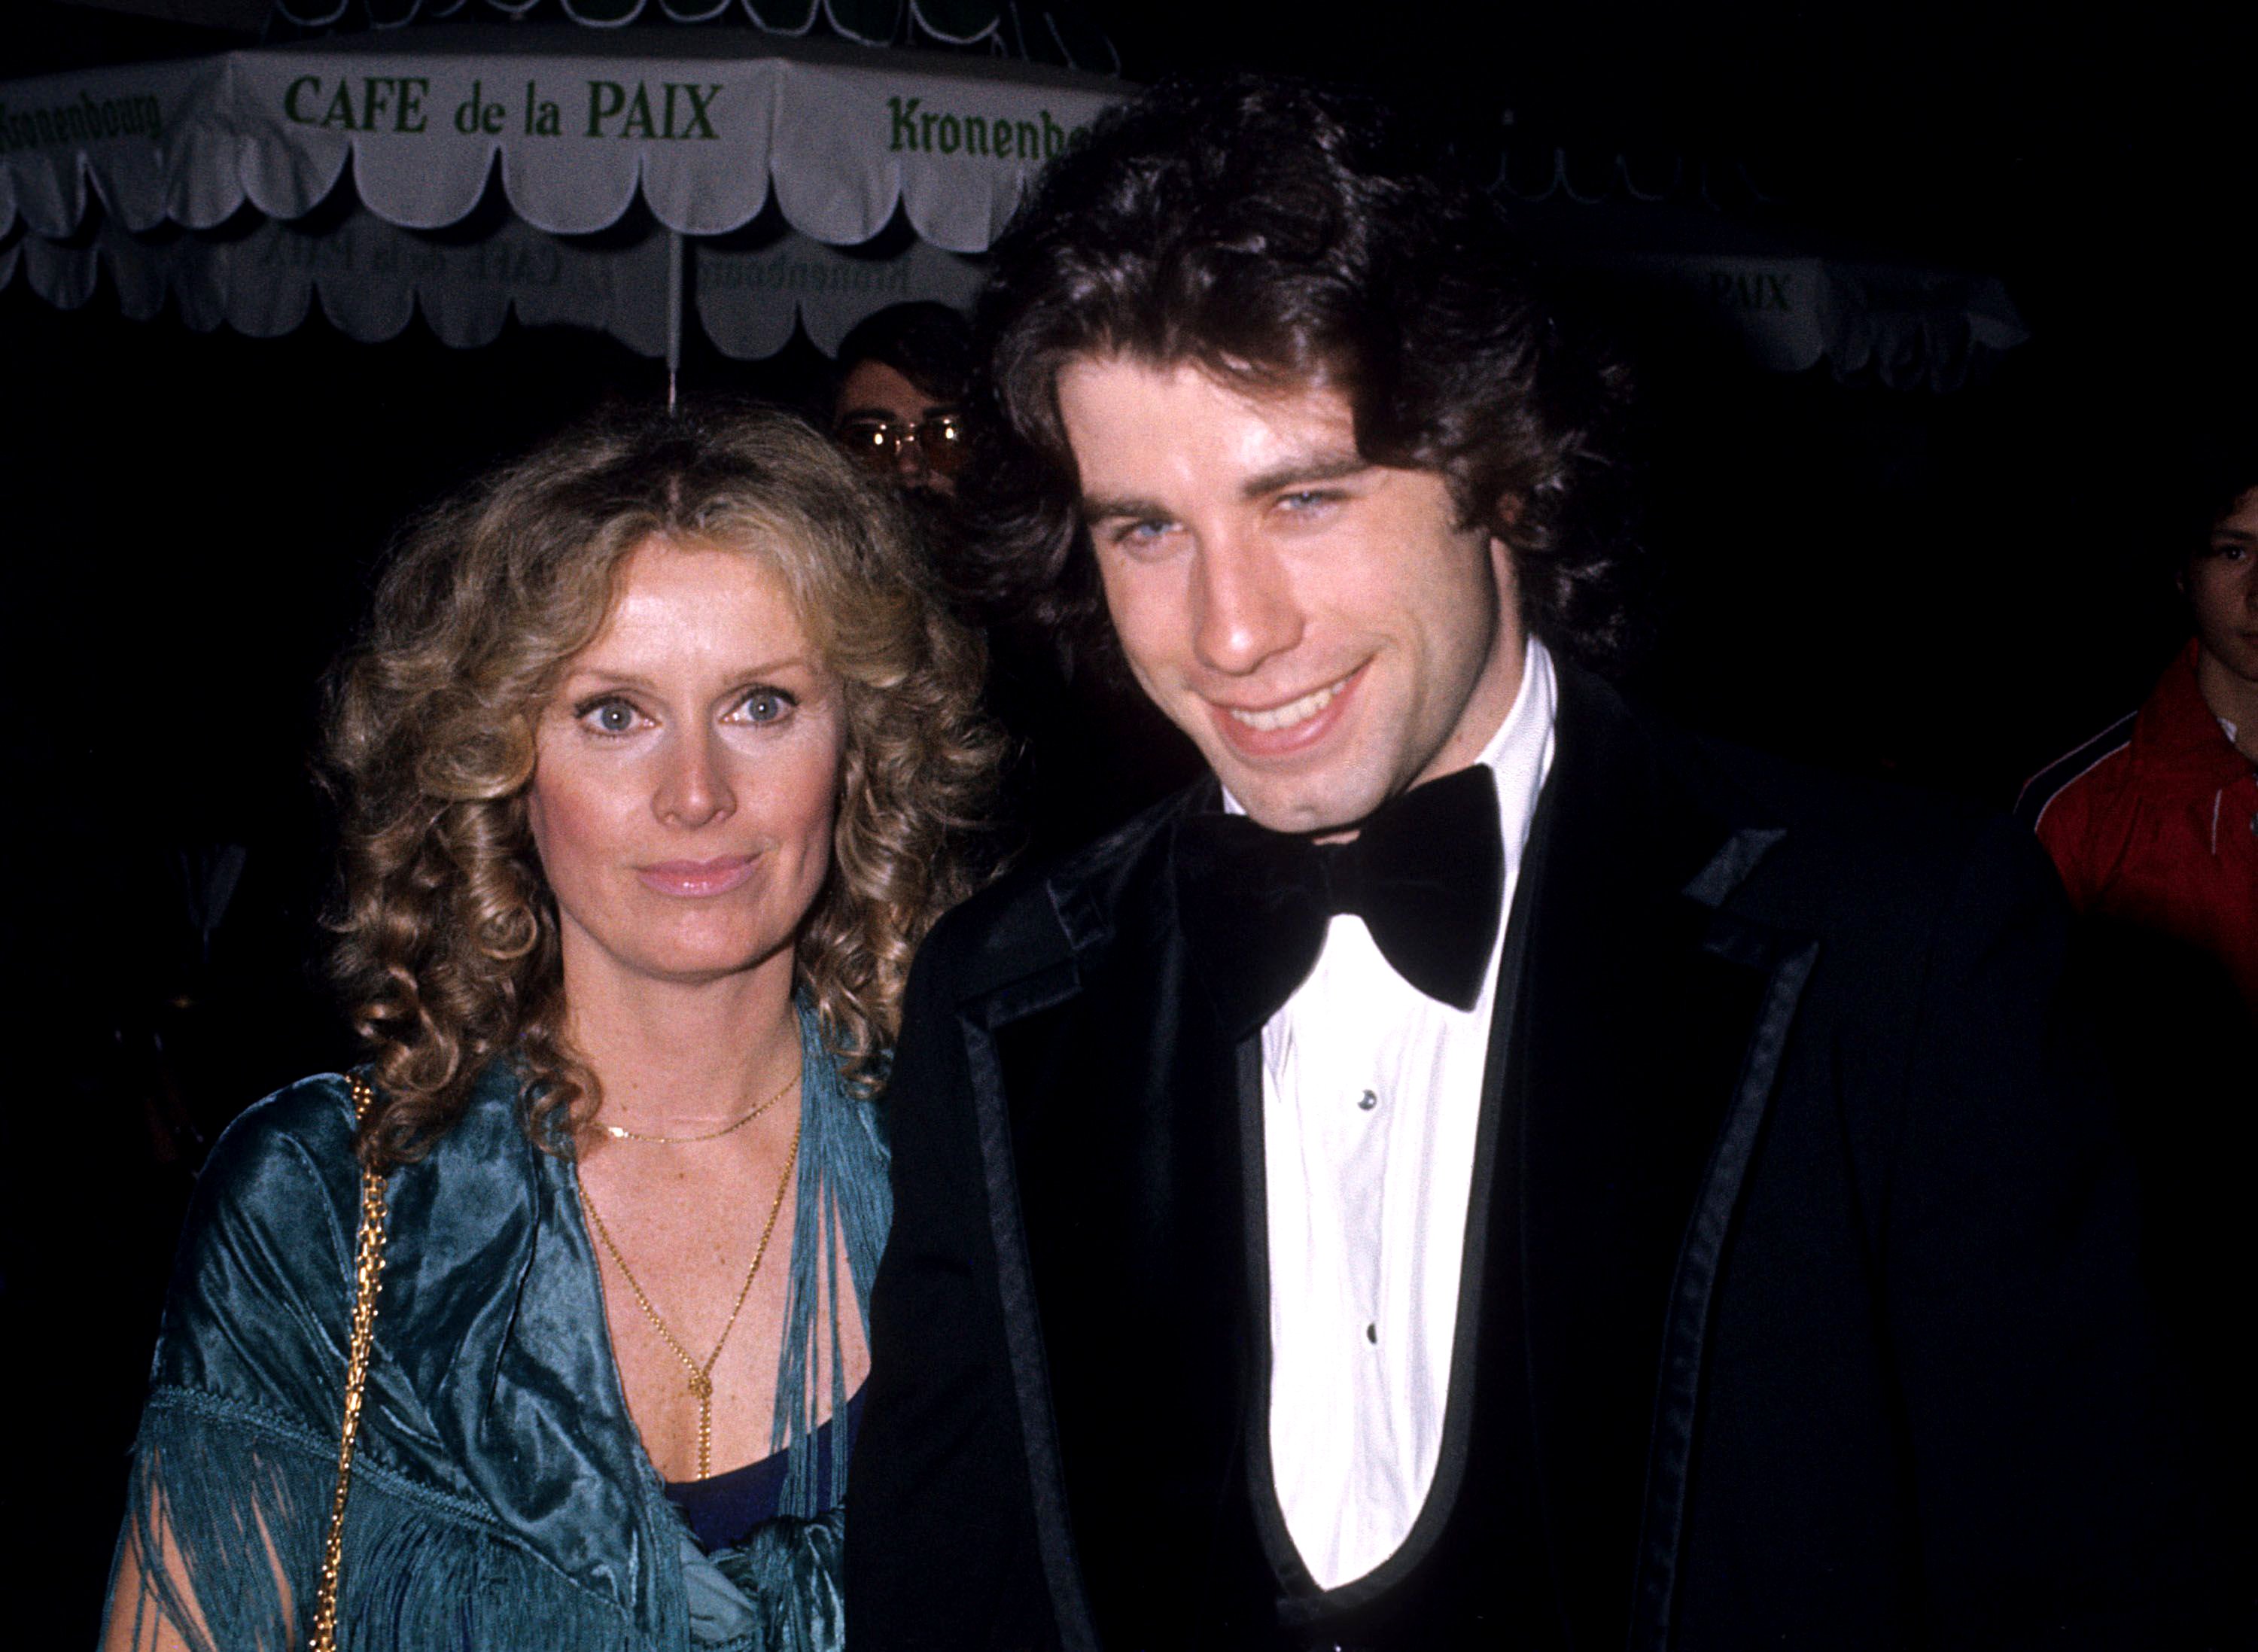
x=280 y=1149
x=266 y=1249
x=306 y=1129
x=261 y=1273
x=315 y=1112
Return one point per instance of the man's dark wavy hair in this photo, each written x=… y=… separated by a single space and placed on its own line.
x=1283 y=234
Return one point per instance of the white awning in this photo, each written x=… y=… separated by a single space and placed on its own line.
x=575 y=125
x=369 y=277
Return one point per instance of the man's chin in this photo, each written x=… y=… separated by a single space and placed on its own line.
x=1316 y=805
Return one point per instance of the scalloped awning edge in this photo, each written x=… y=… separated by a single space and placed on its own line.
x=842 y=139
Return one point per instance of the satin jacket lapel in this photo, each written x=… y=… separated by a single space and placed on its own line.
x=1646 y=1031
x=488 y=1263
x=1109 y=1089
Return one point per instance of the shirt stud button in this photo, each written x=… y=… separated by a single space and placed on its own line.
x=1370 y=1099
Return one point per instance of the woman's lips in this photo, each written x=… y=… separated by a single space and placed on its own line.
x=1289 y=726
x=692 y=879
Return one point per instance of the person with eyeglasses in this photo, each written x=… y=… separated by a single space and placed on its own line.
x=899 y=407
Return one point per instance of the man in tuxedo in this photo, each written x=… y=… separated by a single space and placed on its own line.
x=1477 y=1170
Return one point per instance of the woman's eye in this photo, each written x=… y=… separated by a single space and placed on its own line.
x=609 y=717
x=766 y=706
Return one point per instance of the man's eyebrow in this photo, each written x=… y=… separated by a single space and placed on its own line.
x=2242 y=535
x=1325 y=466
x=1299 y=471
x=1105 y=508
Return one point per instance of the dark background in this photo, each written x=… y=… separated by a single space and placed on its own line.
x=1952 y=589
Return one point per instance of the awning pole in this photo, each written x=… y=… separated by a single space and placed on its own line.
x=674 y=314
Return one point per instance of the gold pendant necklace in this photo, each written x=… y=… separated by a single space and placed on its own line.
x=701 y=1374
x=620 y=1132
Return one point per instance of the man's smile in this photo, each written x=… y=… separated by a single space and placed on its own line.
x=1291 y=727
x=1294 y=710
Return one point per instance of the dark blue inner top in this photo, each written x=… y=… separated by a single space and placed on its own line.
x=723 y=1508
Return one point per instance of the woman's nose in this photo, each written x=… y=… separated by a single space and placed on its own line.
x=695 y=788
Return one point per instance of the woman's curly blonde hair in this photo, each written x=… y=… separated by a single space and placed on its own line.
x=447 y=935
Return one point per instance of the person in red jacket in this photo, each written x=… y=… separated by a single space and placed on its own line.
x=2153 y=823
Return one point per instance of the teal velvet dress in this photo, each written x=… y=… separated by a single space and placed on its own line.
x=502 y=1499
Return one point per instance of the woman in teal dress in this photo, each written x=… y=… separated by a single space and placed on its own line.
x=655 y=764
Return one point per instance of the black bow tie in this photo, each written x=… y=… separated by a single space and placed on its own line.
x=1426 y=873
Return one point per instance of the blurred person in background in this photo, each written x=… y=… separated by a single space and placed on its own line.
x=898 y=404
x=2153 y=823
x=652 y=765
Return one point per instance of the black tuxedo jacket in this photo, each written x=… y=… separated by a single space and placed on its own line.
x=1799 y=1305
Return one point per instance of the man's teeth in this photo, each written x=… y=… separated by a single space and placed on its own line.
x=1293 y=711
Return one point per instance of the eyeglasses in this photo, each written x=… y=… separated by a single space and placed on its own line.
x=940 y=439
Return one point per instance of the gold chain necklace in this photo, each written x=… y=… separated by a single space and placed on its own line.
x=701 y=1376
x=620 y=1132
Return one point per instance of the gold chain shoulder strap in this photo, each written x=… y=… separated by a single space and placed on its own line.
x=368 y=1275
